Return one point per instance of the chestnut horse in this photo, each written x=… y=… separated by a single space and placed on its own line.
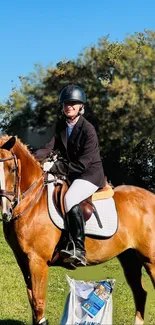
x=33 y=237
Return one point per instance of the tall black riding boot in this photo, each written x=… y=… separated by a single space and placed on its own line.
x=76 y=255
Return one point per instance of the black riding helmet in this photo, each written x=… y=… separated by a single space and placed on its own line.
x=72 y=93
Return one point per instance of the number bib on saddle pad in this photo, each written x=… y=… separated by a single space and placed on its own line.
x=106 y=210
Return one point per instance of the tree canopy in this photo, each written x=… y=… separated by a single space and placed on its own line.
x=119 y=80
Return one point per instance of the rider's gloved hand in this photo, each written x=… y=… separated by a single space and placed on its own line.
x=59 y=168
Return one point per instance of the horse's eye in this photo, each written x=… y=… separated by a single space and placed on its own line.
x=12 y=169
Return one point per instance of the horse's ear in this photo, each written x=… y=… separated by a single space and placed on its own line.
x=9 y=144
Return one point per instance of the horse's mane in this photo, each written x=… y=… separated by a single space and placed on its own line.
x=22 y=146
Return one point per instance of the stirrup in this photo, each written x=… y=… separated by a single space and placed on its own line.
x=66 y=253
x=72 y=257
x=78 y=261
x=75 y=260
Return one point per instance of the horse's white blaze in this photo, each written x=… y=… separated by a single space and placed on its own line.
x=2 y=186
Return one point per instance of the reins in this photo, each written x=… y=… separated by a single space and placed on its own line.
x=45 y=183
x=17 y=197
x=34 y=201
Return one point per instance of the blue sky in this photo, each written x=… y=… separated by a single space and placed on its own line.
x=48 y=31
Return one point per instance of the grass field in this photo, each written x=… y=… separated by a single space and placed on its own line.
x=14 y=306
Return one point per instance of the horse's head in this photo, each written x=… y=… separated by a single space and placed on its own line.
x=18 y=171
x=8 y=174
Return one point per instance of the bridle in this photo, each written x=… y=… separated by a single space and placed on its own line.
x=15 y=194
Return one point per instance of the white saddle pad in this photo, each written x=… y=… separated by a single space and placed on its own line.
x=106 y=210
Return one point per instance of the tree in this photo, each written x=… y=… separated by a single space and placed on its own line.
x=139 y=163
x=119 y=81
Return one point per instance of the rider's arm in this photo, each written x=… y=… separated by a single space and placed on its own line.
x=43 y=153
x=89 y=152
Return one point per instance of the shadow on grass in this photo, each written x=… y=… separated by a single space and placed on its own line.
x=10 y=322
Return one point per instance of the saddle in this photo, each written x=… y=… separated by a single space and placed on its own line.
x=87 y=205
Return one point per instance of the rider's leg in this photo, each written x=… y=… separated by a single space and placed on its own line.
x=78 y=191
x=76 y=253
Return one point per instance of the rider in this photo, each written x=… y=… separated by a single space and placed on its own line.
x=77 y=142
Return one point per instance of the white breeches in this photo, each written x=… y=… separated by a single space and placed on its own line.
x=79 y=190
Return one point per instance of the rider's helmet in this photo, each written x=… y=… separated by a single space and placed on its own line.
x=72 y=93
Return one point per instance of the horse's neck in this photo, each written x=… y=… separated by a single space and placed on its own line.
x=30 y=170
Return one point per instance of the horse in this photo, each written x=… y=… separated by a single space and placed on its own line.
x=33 y=237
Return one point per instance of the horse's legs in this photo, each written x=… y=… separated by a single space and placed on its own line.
x=150 y=268
x=34 y=321
x=132 y=267
x=39 y=273
x=35 y=276
x=22 y=261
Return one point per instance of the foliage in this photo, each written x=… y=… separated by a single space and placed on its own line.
x=6 y=114
x=120 y=85
x=139 y=162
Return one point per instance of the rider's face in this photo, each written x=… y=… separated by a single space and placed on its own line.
x=71 y=109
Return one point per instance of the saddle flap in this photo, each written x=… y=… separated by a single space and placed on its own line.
x=58 y=197
x=87 y=210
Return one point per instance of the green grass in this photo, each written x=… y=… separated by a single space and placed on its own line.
x=14 y=306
